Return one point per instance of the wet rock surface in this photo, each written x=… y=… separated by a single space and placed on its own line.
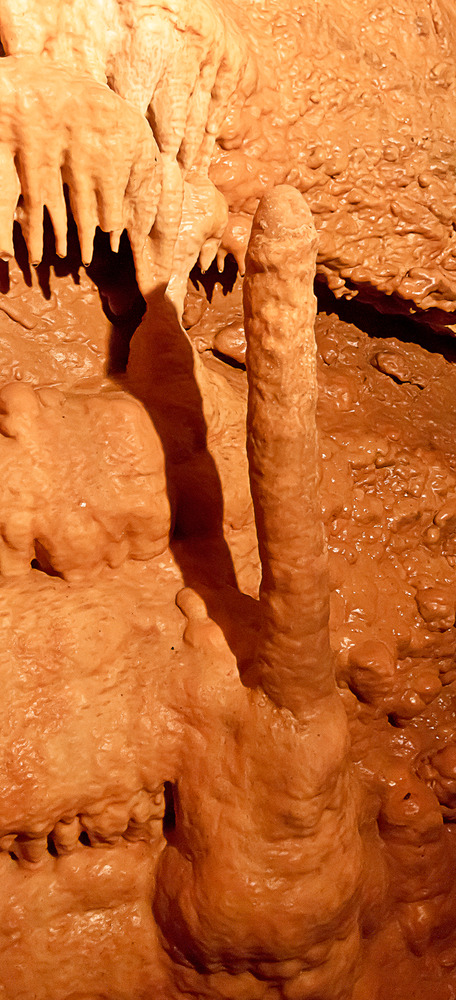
x=80 y=846
x=214 y=786
x=386 y=419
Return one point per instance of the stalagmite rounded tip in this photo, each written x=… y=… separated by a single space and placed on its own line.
x=284 y=210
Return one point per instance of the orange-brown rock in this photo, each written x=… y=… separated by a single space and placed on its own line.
x=353 y=107
x=70 y=509
x=227 y=736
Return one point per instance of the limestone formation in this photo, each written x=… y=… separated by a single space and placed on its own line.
x=227 y=596
x=352 y=107
x=217 y=912
x=72 y=510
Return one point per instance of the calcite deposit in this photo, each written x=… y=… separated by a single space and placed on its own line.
x=228 y=510
x=79 y=507
x=354 y=108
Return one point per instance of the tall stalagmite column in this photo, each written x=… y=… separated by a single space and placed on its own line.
x=293 y=660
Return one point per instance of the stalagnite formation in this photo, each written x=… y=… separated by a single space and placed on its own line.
x=282 y=445
x=261 y=874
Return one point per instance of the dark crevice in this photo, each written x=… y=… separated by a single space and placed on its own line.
x=35 y=564
x=21 y=253
x=41 y=561
x=113 y=274
x=51 y=847
x=169 y=819
x=123 y=305
x=84 y=839
x=212 y=277
x=388 y=316
x=398 y=381
x=228 y=360
x=5 y=283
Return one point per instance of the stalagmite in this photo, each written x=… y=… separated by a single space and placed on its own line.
x=293 y=660
x=261 y=873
